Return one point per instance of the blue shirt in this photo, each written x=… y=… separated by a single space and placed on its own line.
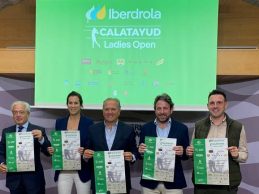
x=163 y=132
x=25 y=126
x=110 y=134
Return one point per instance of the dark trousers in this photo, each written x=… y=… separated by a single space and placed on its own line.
x=214 y=189
x=27 y=189
x=23 y=191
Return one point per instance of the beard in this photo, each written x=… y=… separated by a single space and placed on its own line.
x=164 y=118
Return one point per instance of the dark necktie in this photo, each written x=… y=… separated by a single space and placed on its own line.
x=20 y=128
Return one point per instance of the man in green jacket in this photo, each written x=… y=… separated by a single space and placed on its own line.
x=219 y=125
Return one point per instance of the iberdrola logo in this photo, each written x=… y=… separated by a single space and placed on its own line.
x=94 y=13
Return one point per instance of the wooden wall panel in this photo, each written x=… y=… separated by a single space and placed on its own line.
x=238 y=23
x=232 y=32
x=21 y=34
x=17 y=61
x=17 y=24
x=238 y=62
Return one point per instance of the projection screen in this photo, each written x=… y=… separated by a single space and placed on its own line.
x=132 y=50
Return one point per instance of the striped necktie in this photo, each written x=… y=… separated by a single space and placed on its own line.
x=20 y=128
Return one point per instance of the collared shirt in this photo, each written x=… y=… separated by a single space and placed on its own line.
x=219 y=131
x=25 y=126
x=110 y=134
x=163 y=132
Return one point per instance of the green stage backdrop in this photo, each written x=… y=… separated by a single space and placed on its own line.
x=128 y=49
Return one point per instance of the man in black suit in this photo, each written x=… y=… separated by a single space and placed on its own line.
x=32 y=182
x=112 y=134
x=166 y=127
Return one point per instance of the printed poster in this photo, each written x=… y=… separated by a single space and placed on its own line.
x=66 y=145
x=20 y=152
x=109 y=171
x=159 y=159
x=211 y=164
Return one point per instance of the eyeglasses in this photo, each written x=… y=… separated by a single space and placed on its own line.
x=19 y=112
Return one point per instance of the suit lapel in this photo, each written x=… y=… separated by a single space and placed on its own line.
x=13 y=129
x=153 y=131
x=172 y=130
x=103 y=137
x=80 y=129
x=80 y=124
x=117 y=137
x=29 y=128
x=64 y=126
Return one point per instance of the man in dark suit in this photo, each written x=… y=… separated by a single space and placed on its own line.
x=25 y=182
x=167 y=127
x=112 y=134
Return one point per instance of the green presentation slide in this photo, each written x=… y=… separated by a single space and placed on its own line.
x=128 y=49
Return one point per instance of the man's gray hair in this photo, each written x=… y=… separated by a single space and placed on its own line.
x=113 y=99
x=25 y=104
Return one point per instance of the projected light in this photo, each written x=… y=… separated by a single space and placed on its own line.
x=132 y=50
